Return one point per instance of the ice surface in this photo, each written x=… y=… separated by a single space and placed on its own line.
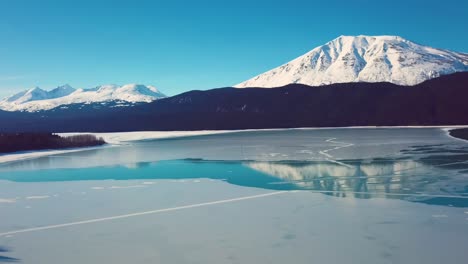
x=291 y=227
x=228 y=199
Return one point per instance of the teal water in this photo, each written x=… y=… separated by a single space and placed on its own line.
x=420 y=165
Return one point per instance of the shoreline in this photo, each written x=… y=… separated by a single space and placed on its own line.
x=112 y=139
x=25 y=155
x=458 y=133
x=118 y=138
x=128 y=136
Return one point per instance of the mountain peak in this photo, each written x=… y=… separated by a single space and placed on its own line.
x=61 y=91
x=35 y=89
x=64 y=87
x=369 y=38
x=372 y=37
x=364 y=59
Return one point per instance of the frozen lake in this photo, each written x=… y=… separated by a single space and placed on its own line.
x=334 y=195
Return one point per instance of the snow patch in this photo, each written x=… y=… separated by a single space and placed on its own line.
x=127 y=187
x=3 y=200
x=36 y=197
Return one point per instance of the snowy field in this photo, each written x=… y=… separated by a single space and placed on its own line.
x=205 y=221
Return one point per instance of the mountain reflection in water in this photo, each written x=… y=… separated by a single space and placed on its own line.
x=407 y=179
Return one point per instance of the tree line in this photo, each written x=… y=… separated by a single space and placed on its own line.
x=11 y=142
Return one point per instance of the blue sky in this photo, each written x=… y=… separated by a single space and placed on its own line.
x=185 y=45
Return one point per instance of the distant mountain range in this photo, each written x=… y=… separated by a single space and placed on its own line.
x=350 y=81
x=364 y=59
x=346 y=59
x=37 y=99
x=439 y=101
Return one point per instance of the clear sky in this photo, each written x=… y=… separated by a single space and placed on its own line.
x=185 y=45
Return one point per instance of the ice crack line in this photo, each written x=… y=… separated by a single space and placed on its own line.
x=96 y=220
x=329 y=157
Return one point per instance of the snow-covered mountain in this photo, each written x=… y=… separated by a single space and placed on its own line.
x=364 y=59
x=37 y=99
